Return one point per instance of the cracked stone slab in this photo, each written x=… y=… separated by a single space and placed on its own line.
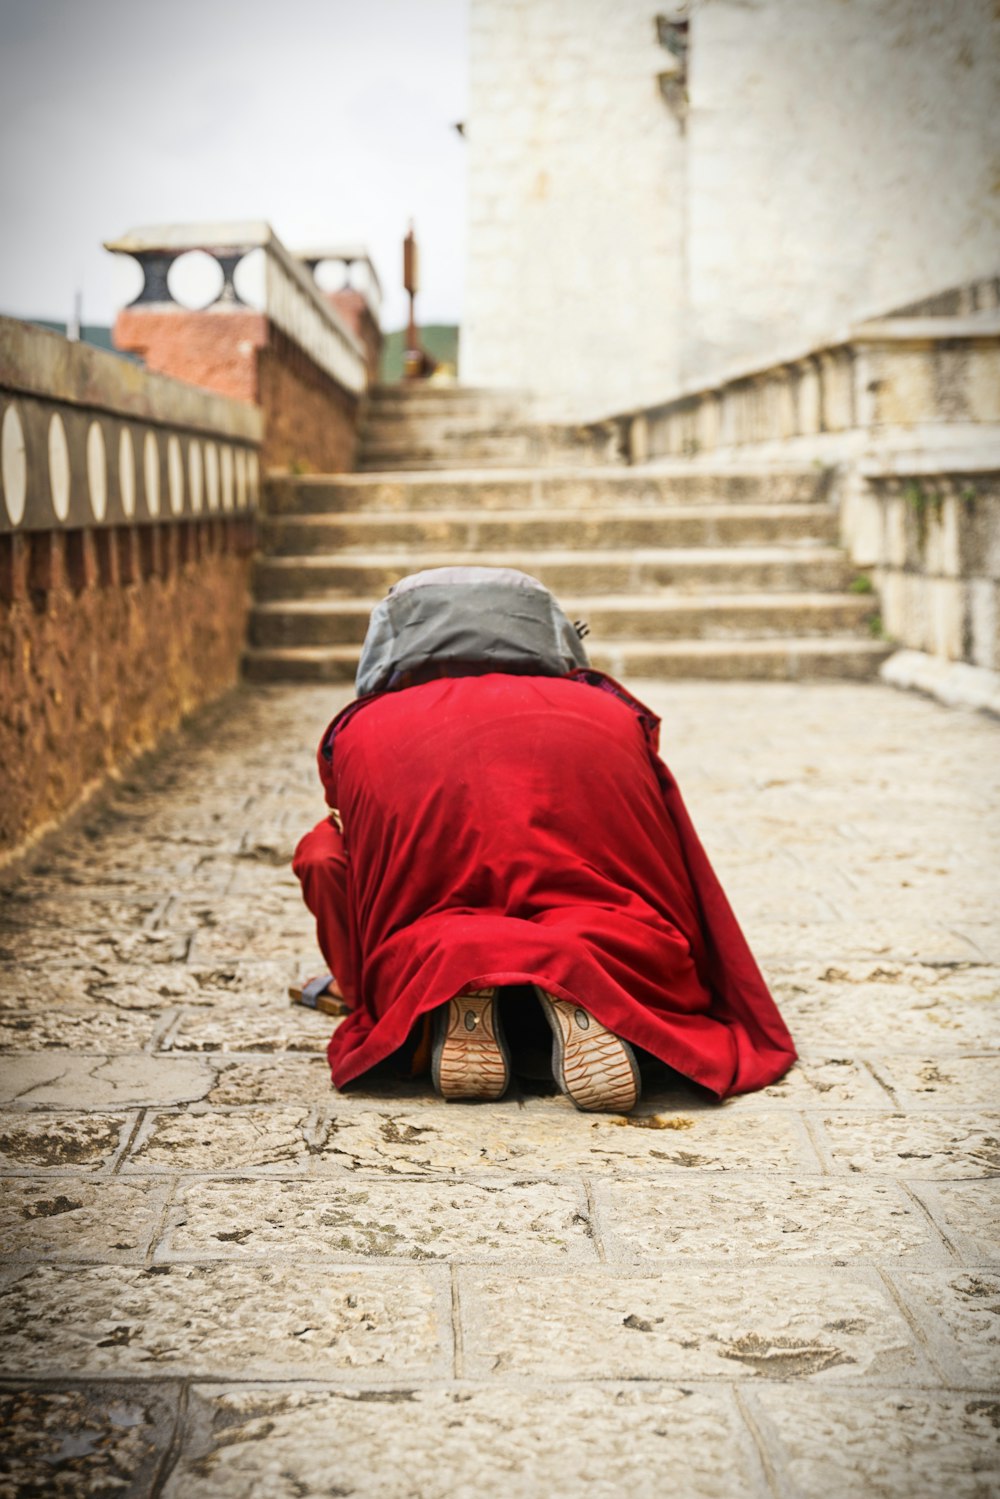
x=943 y=1082
x=75 y=1218
x=104 y=948
x=465 y=1441
x=303 y=1080
x=969 y=1213
x=889 y=1006
x=916 y=1146
x=273 y=904
x=54 y=1080
x=420 y=1220
x=84 y=1031
x=960 y=1310
x=97 y=989
x=223 y=1320
x=881 y=1445
x=893 y=938
x=68 y=1444
x=770 y=1218
x=60 y=1142
x=814 y=1082
x=254 y=1139
x=227 y=987
x=278 y=1027
x=822 y=1082
x=548 y=1135
x=756 y=1322
x=283 y=940
x=60 y=906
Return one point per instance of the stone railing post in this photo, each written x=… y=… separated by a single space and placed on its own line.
x=304 y=358
x=358 y=300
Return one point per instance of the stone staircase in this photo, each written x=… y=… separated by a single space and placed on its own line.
x=680 y=571
x=415 y=428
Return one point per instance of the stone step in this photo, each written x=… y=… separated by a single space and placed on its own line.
x=392 y=422
x=654 y=617
x=485 y=456
x=423 y=428
x=567 y=571
x=417 y=393
x=470 y=530
x=517 y=489
x=774 y=660
x=747 y=660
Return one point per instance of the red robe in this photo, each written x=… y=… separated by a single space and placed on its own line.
x=507 y=829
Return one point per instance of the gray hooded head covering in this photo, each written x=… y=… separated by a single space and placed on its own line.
x=496 y=616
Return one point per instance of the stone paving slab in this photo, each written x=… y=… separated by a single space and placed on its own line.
x=84 y=1142
x=271 y=1031
x=550 y=1135
x=374 y=1292
x=968 y=1214
x=905 y=1007
x=463 y=1442
x=777 y=1219
x=881 y=1445
x=79 y=1219
x=375 y=1219
x=88 y=1033
x=961 y=1312
x=933 y=1082
x=219 y=1320
x=57 y=1080
x=255 y=1080
x=771 y=1322
x=61 y=1444
x=918 y=1146
x=265 y=1140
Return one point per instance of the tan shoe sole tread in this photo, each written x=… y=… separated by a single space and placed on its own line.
x=593 y=1066
x=469 y=1060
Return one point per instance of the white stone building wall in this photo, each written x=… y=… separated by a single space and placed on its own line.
x=841 y=157
x=575 y=201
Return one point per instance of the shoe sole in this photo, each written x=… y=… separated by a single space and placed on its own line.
x=595 y=1068
x=470 y=1057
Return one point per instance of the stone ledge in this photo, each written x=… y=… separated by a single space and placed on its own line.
x=36 y=362
x=954 y=683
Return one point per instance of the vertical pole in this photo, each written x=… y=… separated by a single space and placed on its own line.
x=412 y=355
x=74 y=325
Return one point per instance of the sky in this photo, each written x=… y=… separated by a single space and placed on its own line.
x=332 y=119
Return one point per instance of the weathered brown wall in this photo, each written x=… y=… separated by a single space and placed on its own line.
x=357 y=314
x=311 y=423
x=107 y=639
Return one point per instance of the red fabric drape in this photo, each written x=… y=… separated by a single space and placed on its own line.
x=507 y=829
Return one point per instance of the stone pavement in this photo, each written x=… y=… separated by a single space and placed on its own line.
x=221 y=1278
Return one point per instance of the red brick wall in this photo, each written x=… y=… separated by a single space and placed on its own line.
x=215 y=350
x=107 y=639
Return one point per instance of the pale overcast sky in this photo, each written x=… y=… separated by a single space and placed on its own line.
x=332 y=119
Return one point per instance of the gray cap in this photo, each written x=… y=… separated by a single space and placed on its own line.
x=495 y=616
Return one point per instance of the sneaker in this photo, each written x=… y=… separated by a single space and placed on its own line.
x=470 y=1057
x=595 y=1068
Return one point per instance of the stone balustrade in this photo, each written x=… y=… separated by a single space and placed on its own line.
x=910 y=381
x=127 y=507
x=904 y=414
x=358 y=298
x=89 y=440
x=273 y=338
